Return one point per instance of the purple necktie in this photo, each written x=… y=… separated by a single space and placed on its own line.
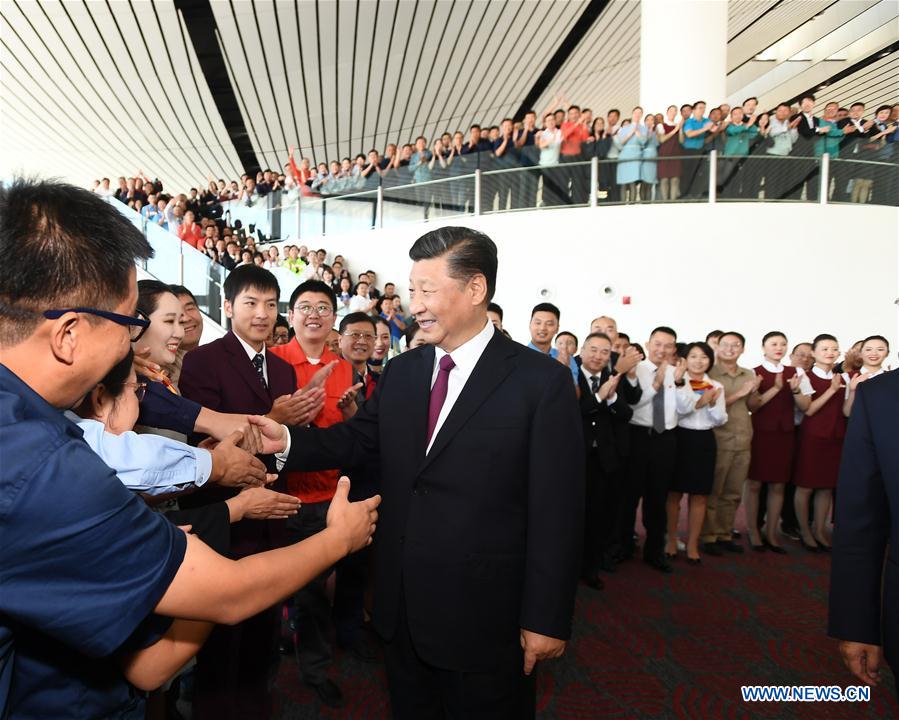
x=438 y=393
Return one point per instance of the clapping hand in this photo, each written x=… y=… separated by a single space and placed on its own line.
x=794 y=382
x=347 y=401
x=836 y=383
x=854 y=383
x=628 y=360
x=301 y=408
x=658 y=381
x=709 y=397
x=680 y=369
x=778 y=381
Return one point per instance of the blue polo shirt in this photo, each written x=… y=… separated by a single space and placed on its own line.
x=697 y=142
x=553 y=353
x=83 y=564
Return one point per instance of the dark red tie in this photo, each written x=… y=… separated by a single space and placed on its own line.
x=438 y=393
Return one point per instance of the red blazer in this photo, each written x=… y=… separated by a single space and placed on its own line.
x=220 y=376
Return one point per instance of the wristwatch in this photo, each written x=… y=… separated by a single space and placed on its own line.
x=680 y=383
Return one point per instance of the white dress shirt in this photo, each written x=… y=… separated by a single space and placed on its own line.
x=706 y=417
x=251 y=353
x=646 y=372
x=358 y=303
x=465 y=357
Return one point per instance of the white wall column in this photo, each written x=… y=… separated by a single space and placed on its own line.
x=683 y=53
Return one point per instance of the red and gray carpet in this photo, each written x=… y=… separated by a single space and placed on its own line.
x=659 y=646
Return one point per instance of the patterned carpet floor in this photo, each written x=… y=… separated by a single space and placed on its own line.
x=652 y=646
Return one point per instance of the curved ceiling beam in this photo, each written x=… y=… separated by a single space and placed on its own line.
x=201 y=26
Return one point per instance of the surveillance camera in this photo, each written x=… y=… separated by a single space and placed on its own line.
x=608 y=291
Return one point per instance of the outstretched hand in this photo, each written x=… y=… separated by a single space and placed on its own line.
x=273 y=434
x=233 y=467
x=354 y=522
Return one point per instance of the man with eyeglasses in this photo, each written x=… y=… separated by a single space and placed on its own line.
x=313 y=307
x=96 y=586
x=357 y=344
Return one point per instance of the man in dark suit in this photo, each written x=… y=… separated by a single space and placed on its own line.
x=605 y=413
x=482 y=475
x=805 y=170
x=864 y=593
x=238 y=374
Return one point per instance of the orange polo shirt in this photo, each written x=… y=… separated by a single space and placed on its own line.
x=318 y=486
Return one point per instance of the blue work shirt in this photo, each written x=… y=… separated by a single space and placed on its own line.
x=83 y=564
x=553 y=353
x=152 y=464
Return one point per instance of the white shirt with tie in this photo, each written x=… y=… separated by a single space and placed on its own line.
x=252 y=352
x=465 y=357
x=646 y=373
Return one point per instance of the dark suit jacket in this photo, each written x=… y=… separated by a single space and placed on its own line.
x=864 y=594
x=603 y=423
x=221 y=377
x=482 y=536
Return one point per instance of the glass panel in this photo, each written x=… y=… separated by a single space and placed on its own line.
x=351 y=213
x=762 y=176
x=449 y=196
x=860 y=181
x=166 y=261
x=205 y=280
x=312 y=217
x=254 y=214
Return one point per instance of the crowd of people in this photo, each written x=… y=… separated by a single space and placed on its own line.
x=646 y=156
x=175 y=441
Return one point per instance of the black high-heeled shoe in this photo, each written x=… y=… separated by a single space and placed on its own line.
x=810 y=548
x=777 y=549
x=670 y=556
x=694 y=561
x=757 y=548
x=823 y=547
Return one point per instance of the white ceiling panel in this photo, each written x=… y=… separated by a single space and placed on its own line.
x=93 y=89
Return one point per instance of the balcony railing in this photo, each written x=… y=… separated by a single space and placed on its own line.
x=710 y=178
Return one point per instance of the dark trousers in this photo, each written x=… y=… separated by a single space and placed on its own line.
x=651 y=467
x=419 y=691
x=312 y=610
x=236 y=669
x=579 y=176
x=349 y=596
x=601 y=509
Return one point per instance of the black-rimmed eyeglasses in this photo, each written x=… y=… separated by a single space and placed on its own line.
x=137 y=326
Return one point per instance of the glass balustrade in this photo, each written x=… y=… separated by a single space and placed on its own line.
x=177 y=263
x=472 y=186
x=469 y=187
